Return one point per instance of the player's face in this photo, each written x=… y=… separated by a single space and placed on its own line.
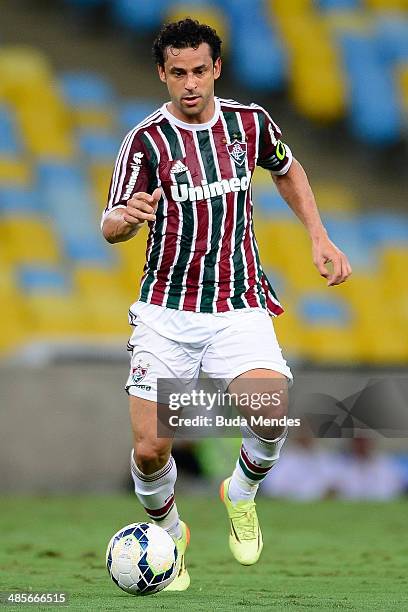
x=189 y=75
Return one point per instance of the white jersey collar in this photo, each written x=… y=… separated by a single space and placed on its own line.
x=192 y=126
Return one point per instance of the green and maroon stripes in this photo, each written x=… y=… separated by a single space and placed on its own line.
x=250 y=469
x=158 y=514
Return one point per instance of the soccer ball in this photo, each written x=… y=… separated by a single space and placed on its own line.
x=141 y=559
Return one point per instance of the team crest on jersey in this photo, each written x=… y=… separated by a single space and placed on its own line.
x=139 y=372
x=238 y=152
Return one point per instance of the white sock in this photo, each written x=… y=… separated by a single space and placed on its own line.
x=156 y=494
x=257 y=457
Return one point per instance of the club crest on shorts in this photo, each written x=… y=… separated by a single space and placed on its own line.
x=139 y=372
x=238 y=152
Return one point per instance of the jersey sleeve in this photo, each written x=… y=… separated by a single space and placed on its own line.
x=131 y=173
x=273 y=153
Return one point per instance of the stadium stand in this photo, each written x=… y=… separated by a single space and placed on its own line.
x=55 y=169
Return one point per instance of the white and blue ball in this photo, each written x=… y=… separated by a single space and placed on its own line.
x=141 y=559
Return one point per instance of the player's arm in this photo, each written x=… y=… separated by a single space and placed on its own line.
x=123 y=223
x=295 y=189
x=129 y=202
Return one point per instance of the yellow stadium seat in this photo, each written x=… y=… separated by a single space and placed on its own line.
x=13 y=327
x=100 y=175
x=402 y=80
x=318 y=89
x=104 y=282
x=15 y=171
x=55 y=316
x=8 y=281
x=331 y=344
x=29 y=240
x=132 y=260
x=20 y=68
x=204 y=14
x=387 y=5
x=107 y=317
x=335 y=197
x=288 y=330
x=283 y=8
x=262 y=178
x=93 y=118
x=46 y=134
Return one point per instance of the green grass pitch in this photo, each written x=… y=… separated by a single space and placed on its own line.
x=318 y=556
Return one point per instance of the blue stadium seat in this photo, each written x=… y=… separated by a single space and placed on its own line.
x=38 y=279
x=350 y=236
x=10 y=143
x=133 y=112
x=19 y=199
x=92 y=249
x=271 y=203
x=392 y=39
x=99 y=146
x=381 y=228
x=316 y=309
x=143 y=14
x=339 y=5
x=254 y=37
x=375 y=116
x=59 y=173
x=86 y=89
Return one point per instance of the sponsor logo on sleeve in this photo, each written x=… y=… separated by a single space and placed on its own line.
x=135 y=165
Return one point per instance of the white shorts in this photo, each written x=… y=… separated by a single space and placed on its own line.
x=169 y=343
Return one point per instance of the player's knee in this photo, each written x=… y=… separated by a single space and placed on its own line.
x=150 y=457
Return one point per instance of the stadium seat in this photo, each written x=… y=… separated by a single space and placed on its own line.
x=86 y=89
x=374 y=109
x=14 y=171
x=100 y=174
x=402 y=83
x=338 y=5
x=99 y=146
x=93 y=118
x=143 y=15
x=349 y=234
x=55 y=316
x=270 y=203
x=133 y=112
x=36 y=279
x=22 y=67
x=14 y=331
x=97 y=280
x=392 y=39
x=383 y=227
x=15 y=199
x=10 y=142
x=29 y=240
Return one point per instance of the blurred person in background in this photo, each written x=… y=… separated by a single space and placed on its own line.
x=205 y=301
x=306 y=470
x=368 y=473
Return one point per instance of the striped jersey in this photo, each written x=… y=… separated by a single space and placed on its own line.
x=201 y=253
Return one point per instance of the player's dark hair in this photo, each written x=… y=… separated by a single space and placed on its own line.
x=183 y=34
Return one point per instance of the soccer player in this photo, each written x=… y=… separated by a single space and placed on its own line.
x=205 y=302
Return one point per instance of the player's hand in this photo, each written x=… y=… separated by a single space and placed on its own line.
x=142 y=207
x=324 y=252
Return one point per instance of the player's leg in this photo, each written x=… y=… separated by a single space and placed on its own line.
x=154 y=475
x=154 y=470
x=261 y=443
x=247 y=355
